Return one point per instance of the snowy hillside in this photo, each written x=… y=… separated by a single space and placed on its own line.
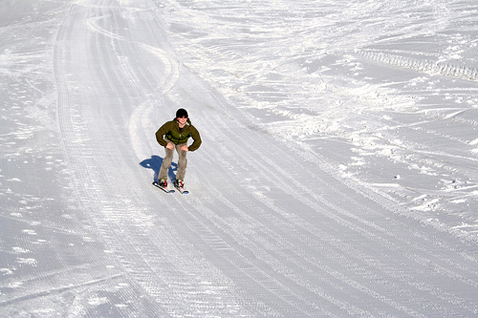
x=337 y=177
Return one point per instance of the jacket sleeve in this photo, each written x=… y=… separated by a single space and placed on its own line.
x=197 y=139
x=163 y=130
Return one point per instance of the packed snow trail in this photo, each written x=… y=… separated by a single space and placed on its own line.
x=268 y=230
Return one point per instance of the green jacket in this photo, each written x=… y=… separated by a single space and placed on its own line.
x=171 y=131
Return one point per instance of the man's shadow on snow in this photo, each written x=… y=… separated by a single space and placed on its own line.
x=155 y=163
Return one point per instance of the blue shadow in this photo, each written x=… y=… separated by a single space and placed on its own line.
x=155 y=163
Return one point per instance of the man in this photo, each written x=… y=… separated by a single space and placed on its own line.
x=172 y=135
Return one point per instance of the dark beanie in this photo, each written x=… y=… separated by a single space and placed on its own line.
x=181 y=113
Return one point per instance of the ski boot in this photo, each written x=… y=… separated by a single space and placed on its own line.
x=178 y=183
x=163 y=183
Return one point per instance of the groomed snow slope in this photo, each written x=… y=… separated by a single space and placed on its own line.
x=336 y=177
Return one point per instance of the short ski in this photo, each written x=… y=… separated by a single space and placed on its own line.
x=165 y=189
x=182 y=190
x=179 y=188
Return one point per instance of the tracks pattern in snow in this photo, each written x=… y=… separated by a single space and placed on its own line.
x=423 y=66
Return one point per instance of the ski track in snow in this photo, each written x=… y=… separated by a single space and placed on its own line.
x=337 y=175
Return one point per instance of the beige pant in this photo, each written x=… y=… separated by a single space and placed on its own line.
x=168 y=159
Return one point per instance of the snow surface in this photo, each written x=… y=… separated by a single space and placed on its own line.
x=337 y=178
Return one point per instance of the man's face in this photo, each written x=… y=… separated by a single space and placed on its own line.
x=182 y=120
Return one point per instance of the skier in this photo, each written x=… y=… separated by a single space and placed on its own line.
x=172 y=135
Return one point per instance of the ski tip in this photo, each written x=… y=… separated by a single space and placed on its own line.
x=181 y=190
